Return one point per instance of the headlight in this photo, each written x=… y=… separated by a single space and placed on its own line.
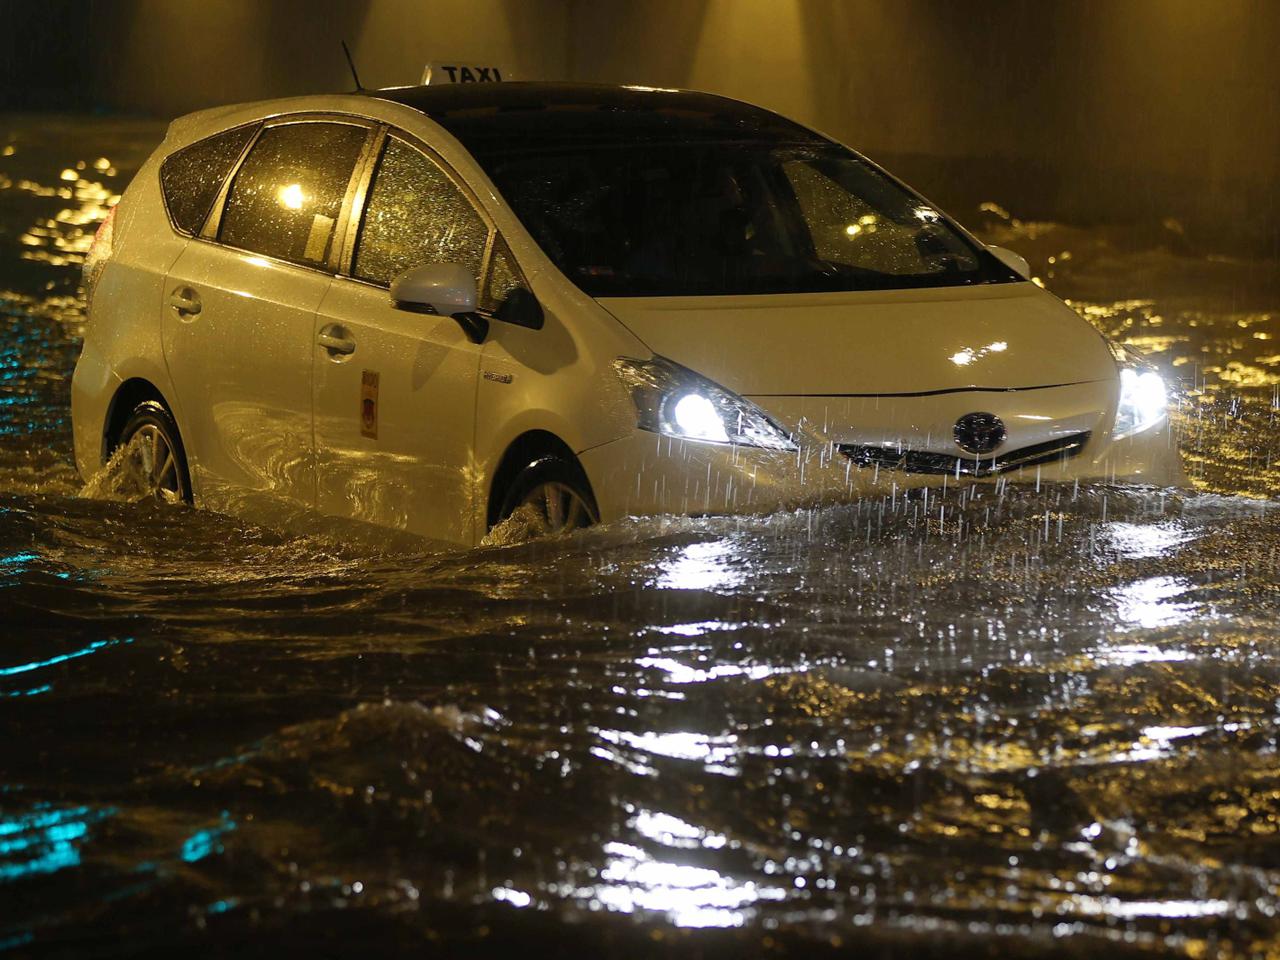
x=677 y=402
x=1144 y=400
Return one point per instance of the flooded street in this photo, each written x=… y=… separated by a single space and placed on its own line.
x=1005 y=722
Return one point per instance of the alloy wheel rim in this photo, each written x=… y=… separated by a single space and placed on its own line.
x=560 y=506
x=159 y=464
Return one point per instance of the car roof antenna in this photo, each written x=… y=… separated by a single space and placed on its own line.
x=352 y=64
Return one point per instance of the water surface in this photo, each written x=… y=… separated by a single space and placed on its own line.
x=1006 y=722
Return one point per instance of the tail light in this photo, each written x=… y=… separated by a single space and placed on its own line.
x=98 y=255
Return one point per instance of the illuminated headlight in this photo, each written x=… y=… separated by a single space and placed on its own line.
x=677 y=402
x=1144 y=400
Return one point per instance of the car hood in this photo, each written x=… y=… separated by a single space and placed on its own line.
x=992 y=337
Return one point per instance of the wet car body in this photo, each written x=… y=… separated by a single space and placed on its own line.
x=296 y=380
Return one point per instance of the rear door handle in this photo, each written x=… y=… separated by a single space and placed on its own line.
x=185 y=301
x=335 y=338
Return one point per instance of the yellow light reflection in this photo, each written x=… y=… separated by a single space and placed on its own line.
x=291 y=196
x=966 y=356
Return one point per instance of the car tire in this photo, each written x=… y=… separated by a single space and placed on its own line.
x=162 y=460
x=558 y=491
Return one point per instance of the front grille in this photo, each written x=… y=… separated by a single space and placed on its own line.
x=915 y=461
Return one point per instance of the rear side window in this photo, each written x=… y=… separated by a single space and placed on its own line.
x=415 y=215
x=190 y=178
x=287 y=196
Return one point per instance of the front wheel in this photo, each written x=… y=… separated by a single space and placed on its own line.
x=556 y=492
x=154 y=453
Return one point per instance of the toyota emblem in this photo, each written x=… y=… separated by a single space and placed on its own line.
x=979 y=433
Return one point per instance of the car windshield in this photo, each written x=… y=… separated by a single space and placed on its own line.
x=622 y=219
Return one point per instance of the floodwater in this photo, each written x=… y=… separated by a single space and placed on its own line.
x=1017 y=722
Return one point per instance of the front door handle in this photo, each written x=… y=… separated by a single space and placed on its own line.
x=185 y=301
x=337 y=340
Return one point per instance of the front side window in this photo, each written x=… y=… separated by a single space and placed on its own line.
x=504 y=277
x=716 y=217
x=415 y=214
x=190 y=178
x=287 y=196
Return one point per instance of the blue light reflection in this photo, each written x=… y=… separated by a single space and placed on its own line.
x=62 y=658
x=45 y=840
x=203 y=843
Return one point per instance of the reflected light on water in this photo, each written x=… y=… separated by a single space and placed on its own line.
x=1131 y=654
x=713 y=752
x=677 y=672
x=1139 y=541
x=1135 y=909
x=517 y=898
x=699 y=628
x=671 y=831
x=701 y=566
x=690 y=896
x=45 y=840
x=60 y=658
x=1146 y=603
x=1165 y=734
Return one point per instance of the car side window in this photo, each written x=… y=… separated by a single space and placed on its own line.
x=504 y=277
x=415 y=214
x=287 y=196
x=190 y=178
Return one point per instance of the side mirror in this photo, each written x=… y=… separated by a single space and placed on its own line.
x=447 y=289
x=1014 y=261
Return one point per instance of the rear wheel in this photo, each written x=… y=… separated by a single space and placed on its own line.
x=154 y=450
x=557 y=492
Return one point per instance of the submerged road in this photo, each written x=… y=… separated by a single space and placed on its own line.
x=1013 y=722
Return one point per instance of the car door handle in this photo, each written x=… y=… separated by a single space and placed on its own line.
x=336 y=340
x=185 y=301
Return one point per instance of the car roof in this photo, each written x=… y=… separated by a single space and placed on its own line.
x=530 y=114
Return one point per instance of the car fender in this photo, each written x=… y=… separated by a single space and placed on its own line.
x=557 y=379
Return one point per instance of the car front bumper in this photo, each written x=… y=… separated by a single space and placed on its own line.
x=645 y=474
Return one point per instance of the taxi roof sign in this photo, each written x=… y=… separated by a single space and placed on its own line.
x=438 y=72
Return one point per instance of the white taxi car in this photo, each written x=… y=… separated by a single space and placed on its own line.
x=425 y=307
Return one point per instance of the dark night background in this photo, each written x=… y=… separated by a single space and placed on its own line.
x=1097 y=111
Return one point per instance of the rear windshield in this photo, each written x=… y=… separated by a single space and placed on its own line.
x=715 y=217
